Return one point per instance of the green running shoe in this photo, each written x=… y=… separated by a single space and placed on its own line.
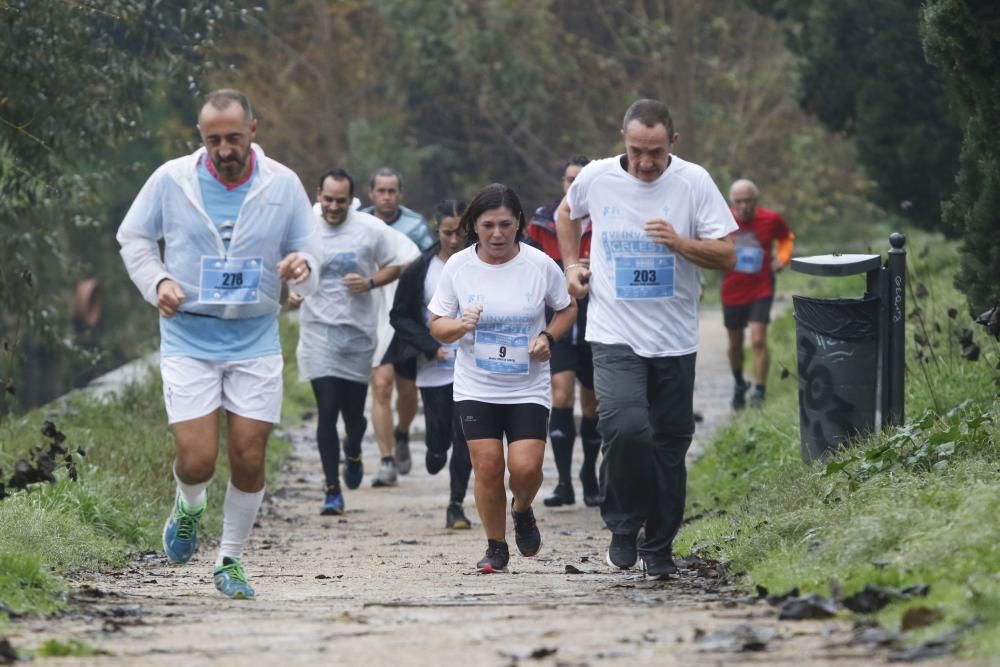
x=180 y=533
x=231 y=580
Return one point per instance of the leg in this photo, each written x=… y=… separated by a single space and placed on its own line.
x=491 y=498
x=382 y=381
x=620 y=381
x=761 y=355
x=247 y=447
x=353 y=409
x=406 y=410
x=590 y=438
x=524 y=461
x=460 y=467
x=671 y=390
x=562 y=429
x=735 y=353
x=197 y=447
x=406 y=403
x=438 y=419
x=328 y=401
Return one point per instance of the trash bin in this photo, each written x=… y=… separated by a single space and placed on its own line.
x=837 y=346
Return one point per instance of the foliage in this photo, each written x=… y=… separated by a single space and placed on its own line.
x=912 y=505
x=863 y=73
x=961 y=38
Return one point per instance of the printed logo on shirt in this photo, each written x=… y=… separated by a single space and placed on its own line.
x=341 y=264
x=612 y=212
x=473 y=299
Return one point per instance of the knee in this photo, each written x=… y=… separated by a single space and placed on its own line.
x=381 y=390
x=524 y=469
x=407 y=389
x=759 y=344
x=624 y=424
x=249 y=458
x=489 y=471
x=562 y=395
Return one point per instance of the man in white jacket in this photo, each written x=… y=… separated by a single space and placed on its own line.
x=234 y=225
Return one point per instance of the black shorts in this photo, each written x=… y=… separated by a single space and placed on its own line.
x=736 y=317
x=491 y=421
x=406 y=369
x=574 y=357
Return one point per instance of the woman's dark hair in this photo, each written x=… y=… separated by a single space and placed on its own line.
x=492 y=196
x=449 y=208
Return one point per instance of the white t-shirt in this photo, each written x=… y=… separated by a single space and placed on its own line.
x=641 y=294
x=406 y=252
x=492 y=364
x=435 y=372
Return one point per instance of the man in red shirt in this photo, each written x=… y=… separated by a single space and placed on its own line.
x=748 y=290
x=571 y=361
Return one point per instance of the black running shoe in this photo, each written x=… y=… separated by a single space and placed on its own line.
x=561 y=495
x=435 y=461
x=658 y=567
x=455 y=519
x=591 y=489
x=496 y=558
x=622 y=553
x=526 y=534
x=740 y=395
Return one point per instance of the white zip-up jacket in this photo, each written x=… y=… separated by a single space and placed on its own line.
x=276 y=218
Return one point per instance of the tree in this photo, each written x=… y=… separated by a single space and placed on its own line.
x=962 y=38
x=863 y=72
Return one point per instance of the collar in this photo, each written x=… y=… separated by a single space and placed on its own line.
x=215 y=174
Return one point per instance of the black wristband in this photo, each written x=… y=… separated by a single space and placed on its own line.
x=371 y=283
x=552 y=340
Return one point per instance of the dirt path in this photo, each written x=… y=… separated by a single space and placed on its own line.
x=387 y=584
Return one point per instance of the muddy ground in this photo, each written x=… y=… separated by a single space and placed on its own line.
x=388 y=584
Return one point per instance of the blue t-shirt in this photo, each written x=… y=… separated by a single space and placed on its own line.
x=199 y=337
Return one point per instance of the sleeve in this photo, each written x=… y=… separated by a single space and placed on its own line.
x=556 y=295
x=303 y=236
x=713 y=218
x=406 y=319
x=426 y=237
x=385 y=248
x=785 y=245
x=404 y=250
x=444 y=303
x=577 y=196
x=138 y=236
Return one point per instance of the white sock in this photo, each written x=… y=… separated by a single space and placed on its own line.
x=239 y=511
x=193 y=495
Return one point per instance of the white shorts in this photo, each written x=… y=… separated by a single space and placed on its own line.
x=250 y=388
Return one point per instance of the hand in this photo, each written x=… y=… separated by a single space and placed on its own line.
x=293 y=268
x=662 y=232
x=169 y=297
x=470 y=317
x=295 y=300
x=538 y=349
x=777 y=266
x=578 y=281
x=443 y=354
x=356 y=283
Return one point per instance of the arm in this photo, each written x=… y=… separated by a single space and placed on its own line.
x=358 y=284
x=450 y=329
x=706 y=253
x=561 y=322
x=568 y=232
x=406 y=316
x=302 y=246
x=138 y=236
x=783 y=254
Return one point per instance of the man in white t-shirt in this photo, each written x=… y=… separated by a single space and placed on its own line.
x=655 y=219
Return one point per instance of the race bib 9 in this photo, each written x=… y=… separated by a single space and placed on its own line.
x=502 y=353
x=230 y=280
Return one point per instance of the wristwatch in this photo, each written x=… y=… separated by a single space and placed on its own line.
x=552 y=340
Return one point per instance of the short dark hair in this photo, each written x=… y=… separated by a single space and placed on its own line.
x=492 y=196
x=449 y=208
x=650 y=113
x=386 y=172
x=575 y=161
x=338 y=174
x=223 y=97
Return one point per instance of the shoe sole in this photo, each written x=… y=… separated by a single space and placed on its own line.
x=459 y=525
x=607 y=559
x=488 y=569
x=655 y=577
x=557 y=503
x=378 y=483
x=339 y=512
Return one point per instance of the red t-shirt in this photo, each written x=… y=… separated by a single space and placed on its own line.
x=752 y=278
x=542 y=230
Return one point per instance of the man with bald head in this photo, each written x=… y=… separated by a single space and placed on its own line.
x=763 y=247
x=234 y=225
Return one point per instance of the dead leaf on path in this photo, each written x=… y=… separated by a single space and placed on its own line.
x=776 y=600
x=870 y=599
x=539 y=653
x=811 y=606
x=738 y=639
x=8 y=656
x=919 y=617
x=571 y=569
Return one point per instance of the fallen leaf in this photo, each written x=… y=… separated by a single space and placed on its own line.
x=919 y=617
x=738 y=639
x=809 y=606
x=921 y=291
x=571 y=569
x=870 y=599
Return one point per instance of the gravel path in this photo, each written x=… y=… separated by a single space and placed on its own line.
x=387 y=584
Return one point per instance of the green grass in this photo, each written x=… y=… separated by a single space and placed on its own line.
x=123 y=494
x=913 y=506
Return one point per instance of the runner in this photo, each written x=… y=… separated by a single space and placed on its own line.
x=234 y=224
x=491 y=300
x=571 y=360
x=656 y=219
x=386 y=192
x=748 y=290
x=432 y=364
x=337 y=332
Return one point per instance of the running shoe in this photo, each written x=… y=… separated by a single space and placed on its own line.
x=455 y=518
x=622 y=553
x=180 y=533
x=435 y=461
x=402 y=453
x=526 y=534
x=231 y=581
x=354 y=472
x=757 y=397
x=496 y=558
x=561 y=495
x=740 y=395
x=386 y=475
x=591 y=488
x=658 y=567
x=333 y=504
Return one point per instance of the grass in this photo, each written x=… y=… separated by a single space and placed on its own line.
x=912 y=505
x=116 y=507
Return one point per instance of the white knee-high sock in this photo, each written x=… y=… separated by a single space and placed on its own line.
x=193 y=495
x=239 y=514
